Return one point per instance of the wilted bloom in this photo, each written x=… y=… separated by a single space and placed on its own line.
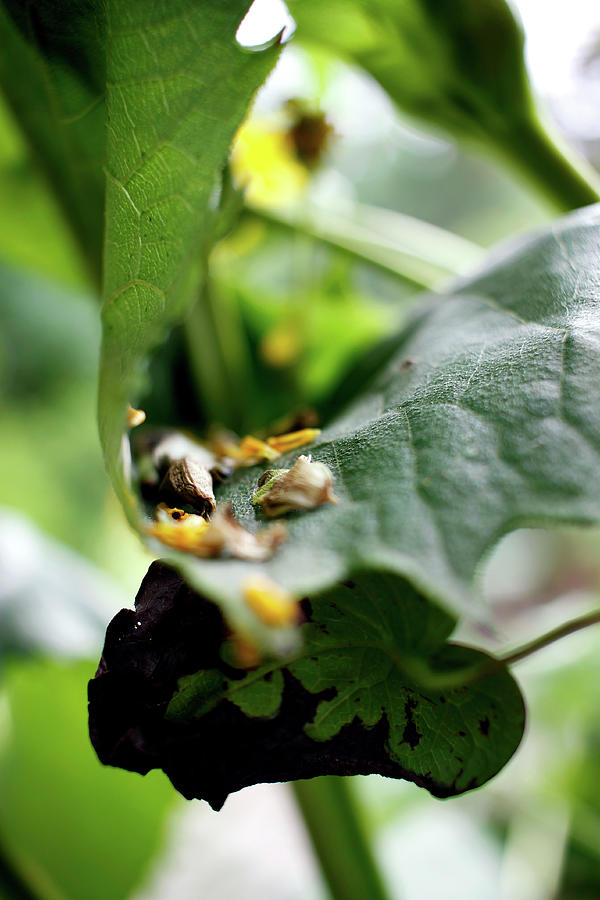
x=221 y=536
x=305 y=486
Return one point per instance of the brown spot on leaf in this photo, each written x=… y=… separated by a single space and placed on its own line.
x=484 y=726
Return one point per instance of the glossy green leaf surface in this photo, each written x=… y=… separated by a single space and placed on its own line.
x=485 y=419
x=178 y=86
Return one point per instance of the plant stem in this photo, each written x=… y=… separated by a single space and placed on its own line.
x=332 y=818
x=218 y=357
x=566 y=180
x=418 y=252
x=592 y=618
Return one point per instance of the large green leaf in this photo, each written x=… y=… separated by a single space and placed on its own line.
x=373 y=688
x=178 y=86
x=483 y=420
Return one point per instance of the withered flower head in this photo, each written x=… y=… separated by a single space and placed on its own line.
x=226 y=537
x=305 y=486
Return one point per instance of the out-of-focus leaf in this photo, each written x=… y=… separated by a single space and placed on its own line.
x=71 y=828
x=48 y=335
x=33 y=230
x=353 y=700
x=52 y=71
x=457 y=64
x=178 y=87
x=51 y=462
x=52 y=601
x=484 y=419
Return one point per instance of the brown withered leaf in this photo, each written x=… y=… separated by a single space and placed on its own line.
x=352 y=700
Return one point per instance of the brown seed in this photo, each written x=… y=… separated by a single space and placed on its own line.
x=187 y=483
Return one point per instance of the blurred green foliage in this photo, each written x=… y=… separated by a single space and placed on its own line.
x=70 y=829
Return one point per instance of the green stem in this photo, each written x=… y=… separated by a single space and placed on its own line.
x=420 y=253
x=566 y=180
x=570 y=627
x=332 y=818
x=219 y=357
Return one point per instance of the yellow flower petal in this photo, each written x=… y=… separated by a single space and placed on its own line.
x=294 y=439
x=272 y=604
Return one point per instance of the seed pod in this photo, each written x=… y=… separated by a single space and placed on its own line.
x=305 y=486
x=188 y=484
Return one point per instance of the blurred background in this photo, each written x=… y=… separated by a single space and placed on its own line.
x=327 y=135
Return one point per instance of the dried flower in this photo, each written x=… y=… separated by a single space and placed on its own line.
x=272 y=604
x=221 y=536
x=294 y=439
x=178 y=529
x=305 y=486
x=253 y=450
x=226 y=537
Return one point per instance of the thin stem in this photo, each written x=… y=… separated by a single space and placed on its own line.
x=420 y=253
x=218 y=356
x=566 y=180
x=332 y=818
x=592 y=618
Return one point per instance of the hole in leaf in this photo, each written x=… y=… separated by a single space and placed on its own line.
x=263 y=23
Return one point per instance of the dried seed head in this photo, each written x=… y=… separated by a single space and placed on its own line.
x=182 y=532
x=305 y=486
x=220 y=537
x=226 y=537
x=187 y=483
x=272 y=604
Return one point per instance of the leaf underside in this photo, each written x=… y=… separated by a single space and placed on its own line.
x=347 y=702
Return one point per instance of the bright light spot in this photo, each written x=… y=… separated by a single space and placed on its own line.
x=263 y=22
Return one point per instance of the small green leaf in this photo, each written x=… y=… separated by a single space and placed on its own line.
x=374 y=687
x=178 y=86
